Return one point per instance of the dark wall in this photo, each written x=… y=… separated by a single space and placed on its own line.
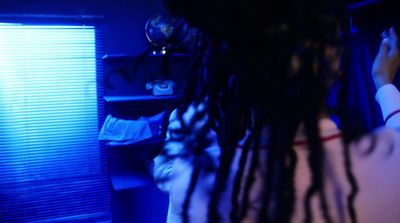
x=123 y=21
x=376 y=17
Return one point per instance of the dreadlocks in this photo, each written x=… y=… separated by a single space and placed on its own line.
x=243 y=57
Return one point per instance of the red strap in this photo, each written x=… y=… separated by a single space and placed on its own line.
x=391 y=115
x=305 y=142
x=323 y=139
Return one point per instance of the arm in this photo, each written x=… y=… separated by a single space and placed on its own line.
x=177 y=144
x=163 y=163
x=384 y=69
x=388 y=97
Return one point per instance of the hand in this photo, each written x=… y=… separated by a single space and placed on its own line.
x=387 y=60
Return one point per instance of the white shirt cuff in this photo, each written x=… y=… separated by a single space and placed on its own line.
x=388 y=97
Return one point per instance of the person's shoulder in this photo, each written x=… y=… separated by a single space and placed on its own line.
x=382 y=140
x=194 y=111
x=376 y=167
x=387 y=133
x=382 y=132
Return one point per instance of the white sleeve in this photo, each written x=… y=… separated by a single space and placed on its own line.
x=163 y=163
x=388 y=97
x=165 y=167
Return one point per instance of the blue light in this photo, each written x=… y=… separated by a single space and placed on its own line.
x=48 y=119
x=48 y=93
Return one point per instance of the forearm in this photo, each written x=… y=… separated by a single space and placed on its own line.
x=162 y=172
x=388 y=97
x=164 y=162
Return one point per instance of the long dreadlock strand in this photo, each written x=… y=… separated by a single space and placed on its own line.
x=238 y=178
x=194 y=91
x=292 y=162
x=316 y=160
x=349 y=134
x=269 y=176
x=315 y=166
x=228 y=144
x=353 y=183
x=255 y=135
x=192 y=186
x=314 y=100
x=196 y=154
x=286 y=191
x=220 y=181
x=349 y=174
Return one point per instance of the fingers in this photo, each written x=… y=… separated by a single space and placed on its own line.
x=384 y=34
x=393 y=40
x=384 y=49
x=387 y=61
x=392 y=36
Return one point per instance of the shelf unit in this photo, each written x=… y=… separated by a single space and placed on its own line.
x=133 y=188
x=151 y=142
x=126 y=97
x=133 y=98
x=109 y=57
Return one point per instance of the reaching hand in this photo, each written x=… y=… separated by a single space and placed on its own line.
x=387 y=60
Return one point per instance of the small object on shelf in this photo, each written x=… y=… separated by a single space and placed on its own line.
x=124 y=132
x=159 y=30
x=161 y=87
x=146 y=131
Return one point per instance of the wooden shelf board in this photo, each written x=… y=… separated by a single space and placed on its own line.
x=140 y=98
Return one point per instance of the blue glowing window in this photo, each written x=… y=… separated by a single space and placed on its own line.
x=51 y=166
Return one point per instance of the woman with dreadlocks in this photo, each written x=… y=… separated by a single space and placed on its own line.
x=252 y=140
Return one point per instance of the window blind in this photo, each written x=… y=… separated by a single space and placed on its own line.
x=52 y=168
